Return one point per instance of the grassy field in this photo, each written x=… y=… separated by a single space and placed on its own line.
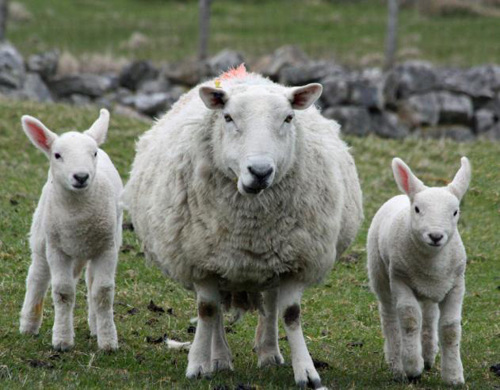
x=340 y=317
x=352 y=32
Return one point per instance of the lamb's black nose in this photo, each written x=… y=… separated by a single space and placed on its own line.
x=81 y=178
x=261 y=172
x=435 y=237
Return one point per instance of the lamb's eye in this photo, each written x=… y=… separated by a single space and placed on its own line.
x=95 y=154
x=288 y=119
x=57 y=156
x=228 y=118
x=455 y=213
x=417 y=210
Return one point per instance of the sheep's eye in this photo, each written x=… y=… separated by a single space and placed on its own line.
x=288 y=119
x=417 y=210
x=57 y=156
x=95 y=154
x=228 y=118
x=455 y=213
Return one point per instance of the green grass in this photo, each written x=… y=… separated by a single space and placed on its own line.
x=340 y=312
x=351 y=32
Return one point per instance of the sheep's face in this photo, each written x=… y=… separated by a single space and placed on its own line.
x=434 y=211
x=73 y=156
x=254 y=143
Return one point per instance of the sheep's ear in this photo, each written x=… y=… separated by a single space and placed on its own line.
x=303 y=97
x=38 y=134
x=214 y=98
x=99 y=129
x=460 y=183
x=405 y=179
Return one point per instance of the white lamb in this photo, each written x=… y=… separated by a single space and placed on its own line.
x=243 y=187
x=416 y=265
x=77 y=223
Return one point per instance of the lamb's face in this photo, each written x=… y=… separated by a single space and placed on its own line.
x=73 y=156
x=434 y=217
x=255 y=135
x=73 y=161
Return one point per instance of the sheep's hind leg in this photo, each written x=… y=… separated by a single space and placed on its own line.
x=430 y=317
x=208 y=301
x=221 y=358
x=305 y=373
x=102 y=276
x=266 y=335
x=37 y=284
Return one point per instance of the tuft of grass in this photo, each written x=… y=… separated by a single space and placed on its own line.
x=340 y=318
x=352 y=32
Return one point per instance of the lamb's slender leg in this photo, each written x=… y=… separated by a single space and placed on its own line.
x=63 y=296
x=430 y=318
x=37 y=284
x=91 y=316
x=208 y=301
x=450 y=332
x=290 y=294
x=221 y=354
x=410 y=322
x=392 y=337
x=266 y=335
x=102 y=275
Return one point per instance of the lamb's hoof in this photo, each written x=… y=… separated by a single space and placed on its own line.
x=306 y=375
x=270 y=359
x=414 y=379
x=108 y=346
x=29 y=329
x=63 y=346
x=312 y=384
x=454 y=381
x=195 y=371
x=221 y=365
x=428 y=366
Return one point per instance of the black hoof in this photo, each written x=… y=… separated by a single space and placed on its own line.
x=414 y=379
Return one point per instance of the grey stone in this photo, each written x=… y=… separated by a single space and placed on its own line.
x=353 y=120
x=187 y=73
x=493 y=134
x=160 y=84
x=308 y=73
x=484 y=120
x=367 y=89
x=477 y=82
x=409 y=78
x=387 y=125
x=137 y=72
x=457 y=133
x=12 y=70
x=82 y=84
x=35 y=89
x=284 y=56
x=154 y=104
x=45 y=64
x=78 y=99
x=454 y=108
x=223 y=61
x=420 y=109
x=335 y=91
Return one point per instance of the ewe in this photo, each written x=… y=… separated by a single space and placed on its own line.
x=244 y=188
x=77 y=223
x=416 y=265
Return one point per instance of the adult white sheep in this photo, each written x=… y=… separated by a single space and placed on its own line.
x=77 y=222
x=244 y=187
x=416 y=265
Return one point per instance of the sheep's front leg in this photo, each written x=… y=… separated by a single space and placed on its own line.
x=101 y=273
x=410 y=323
x=450 y=332
x=91 y=316
x=266 y=335
x=392 y=336
x=430 y=313
x=63 y=296
x=290 y=294
x=208 y=301
x=37 y=284
x=221 y=358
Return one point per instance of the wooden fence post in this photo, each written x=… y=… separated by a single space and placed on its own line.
x=204 y=25
x=391 y=41
x=4 y=10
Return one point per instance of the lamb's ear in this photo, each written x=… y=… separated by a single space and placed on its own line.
x=38 y=134
x=303 y=97
x=405 y=179
x=99 y=129
x=460 y=183
x=214 y=98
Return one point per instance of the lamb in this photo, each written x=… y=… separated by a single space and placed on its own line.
x=416 y=266
x=244 y=189
x=77 y=223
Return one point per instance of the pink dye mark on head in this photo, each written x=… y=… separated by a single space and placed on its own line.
x=234 y=73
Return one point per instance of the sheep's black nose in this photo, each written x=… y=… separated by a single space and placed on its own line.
x=435 y=237
x=81 y=178
x=261 y=172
